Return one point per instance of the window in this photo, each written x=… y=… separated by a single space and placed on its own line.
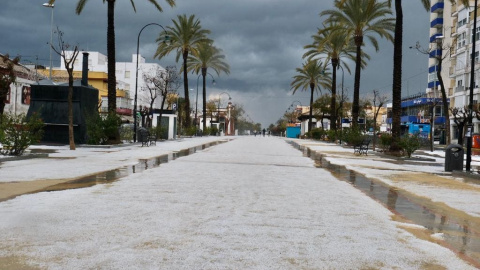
x=26 y=95
x=127 y=74
x=477 y=34
x=461 y=40
x=462 y=22
x=460 y=83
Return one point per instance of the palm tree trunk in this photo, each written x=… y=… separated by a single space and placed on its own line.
x=333 y=115
x=312 y=88
x=204 y=103
x=185 y=88
x=356 y=86
x=397 y=76
x=111 y=81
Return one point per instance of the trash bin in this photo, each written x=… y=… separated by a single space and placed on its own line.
x=454 y=158
x=142 y=135
x=476 y=140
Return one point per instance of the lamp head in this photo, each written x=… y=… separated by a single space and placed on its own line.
x=166 y=39
x=48 y=5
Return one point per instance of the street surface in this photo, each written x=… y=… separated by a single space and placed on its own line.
x=250 y=203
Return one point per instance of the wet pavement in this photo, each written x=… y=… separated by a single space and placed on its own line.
x=116 y=174
x=251 y=203
x=456 y=231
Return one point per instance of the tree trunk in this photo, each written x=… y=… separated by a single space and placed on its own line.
x=204 y=103
x=356 y=86
x=71 y=138
x=185 y=88
x=444 y=102
x=333 y=115
x=397 y=76
x=312 y=88
x=2 y=107
x=111 y=81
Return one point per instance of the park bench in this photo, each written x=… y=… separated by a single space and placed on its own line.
x=152 y=139
x=362 y=148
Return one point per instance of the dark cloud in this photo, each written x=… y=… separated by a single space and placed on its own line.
x=262 y=39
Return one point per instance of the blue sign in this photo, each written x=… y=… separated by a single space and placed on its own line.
x=422 y=101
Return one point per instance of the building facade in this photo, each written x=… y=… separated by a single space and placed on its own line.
x=462 y=35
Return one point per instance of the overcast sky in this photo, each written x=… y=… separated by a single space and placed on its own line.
x=262 y=39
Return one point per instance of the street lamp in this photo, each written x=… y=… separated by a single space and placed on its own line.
x=218 y=116
x=470 y=105
x=293 y=108
x=51 y=35
x=136 y=80
x=197 y=123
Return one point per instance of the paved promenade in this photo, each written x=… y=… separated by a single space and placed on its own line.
x=250 y=203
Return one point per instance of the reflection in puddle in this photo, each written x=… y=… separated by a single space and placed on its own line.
x=114 y=175
x=459 y=234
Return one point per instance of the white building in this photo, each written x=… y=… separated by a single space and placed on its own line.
x=18 y=99
x=124 y=72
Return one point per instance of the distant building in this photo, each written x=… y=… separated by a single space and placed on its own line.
x=18 y=98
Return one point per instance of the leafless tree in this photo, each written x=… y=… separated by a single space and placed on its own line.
x=460 y=117
x=159 y=83
x=68 y=60
x=378 y=102
x=445 y=48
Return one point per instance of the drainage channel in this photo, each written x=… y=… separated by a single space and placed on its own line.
x=114 y=175
x=458 y=233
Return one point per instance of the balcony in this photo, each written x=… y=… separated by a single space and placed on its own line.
x=437 y=23
x=459 y=89
x=437 y=8
x=433 y=84
x=434 y=37
x=433 y=69
x=435 y=53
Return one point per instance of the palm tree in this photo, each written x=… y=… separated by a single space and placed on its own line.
x=397 y=71
x=184 y=37
x=311 y=75
x=204 y=57
x=361 y=18
x=332 y=43
x=111 y=81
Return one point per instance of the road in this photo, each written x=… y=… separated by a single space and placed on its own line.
x=250 y=203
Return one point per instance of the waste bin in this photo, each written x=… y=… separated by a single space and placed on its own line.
x=454 y=158
x=476 y=140
x=142 y=135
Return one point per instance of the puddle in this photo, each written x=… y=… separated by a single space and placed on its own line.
x=459 y=233
x=114 y=175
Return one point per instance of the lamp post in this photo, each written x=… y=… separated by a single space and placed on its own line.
x=293 y=109
x=469 y=134
x=196 y=102
x=47 y=5
x=218 y=116
x=136 y=81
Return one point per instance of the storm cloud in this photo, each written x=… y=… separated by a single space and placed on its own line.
x=262 y=39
